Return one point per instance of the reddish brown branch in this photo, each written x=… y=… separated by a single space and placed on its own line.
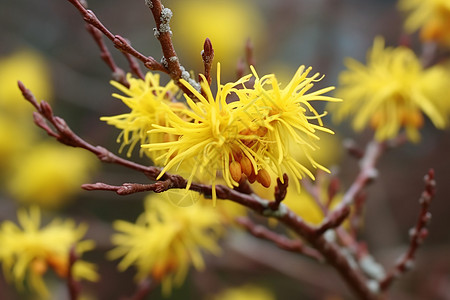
x=357 y=215
x=162 y=18
x=332 y=190
x=280 y=192
x=134 y=67
x=44 y=117
x=118 y=41
x=130 y=188
x=333 y=219
x=367 y=172
x=280 y=240
x=334 y=255
x=117 y=73
x=417 y=233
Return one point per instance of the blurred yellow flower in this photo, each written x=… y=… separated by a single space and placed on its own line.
x=391 y=92
x=29 y=67
x=432 y=17
x=49 y=174
x=227 y=23
x=166 y=239
x=28 y=251
x=246 y=292
x=147 y=100
x=11 y=146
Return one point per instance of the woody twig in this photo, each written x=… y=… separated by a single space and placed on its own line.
x=417 y=233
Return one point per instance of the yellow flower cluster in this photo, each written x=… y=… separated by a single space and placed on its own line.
x=241 y=132
x=432 y=17
x=28 y=252
x=166 y=239
x=147 y=100
x=392 y=92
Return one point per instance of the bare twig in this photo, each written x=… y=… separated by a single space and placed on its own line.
x=118 y=73
x=333 y=219
x=280 y=240
x=280 y=192
x=417 y=233
x=367 y=172
x=162 y=18
x=134 y=67
x=44 y=117
x=130 y=188
x=356 y=217
x=118 y=41
x=332 y=190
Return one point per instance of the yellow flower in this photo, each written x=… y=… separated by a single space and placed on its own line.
x=29 y=67
x=147 y=100
x=288 y=120
x=249 y=136
x=227 y=23
x=209 y=138
x=246 y=292
x=49 y=174
x=431 y=16
x=28 y=252
x=166 y=240
x=391 y=92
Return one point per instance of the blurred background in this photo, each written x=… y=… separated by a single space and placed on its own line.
x=45 y=45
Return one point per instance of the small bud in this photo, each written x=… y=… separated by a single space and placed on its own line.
x=59 y=265
x=246 y=166
x=263 y=177
x=415 y=119
x=236 y=171
x=39 y=266
x=252 y=177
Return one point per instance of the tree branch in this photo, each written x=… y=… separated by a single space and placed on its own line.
x=118 y=41
x=417 y=233
x=118 y=74
x=281 y=241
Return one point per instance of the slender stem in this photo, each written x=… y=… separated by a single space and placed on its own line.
x=162 y=18
x=280 y=240
x=119 y=42
x=417 y=233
